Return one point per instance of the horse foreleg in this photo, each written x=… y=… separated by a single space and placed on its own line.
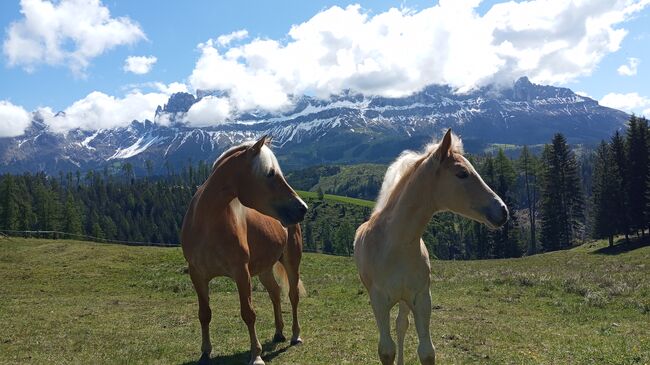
x=292 y=266
x=381 y=308
x=422 y=318
x=205 y=314
x=243 y=280
x=401 y=324
x=268 y=280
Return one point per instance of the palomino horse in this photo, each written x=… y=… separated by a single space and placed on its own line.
x=392 y=259
x=235 y=227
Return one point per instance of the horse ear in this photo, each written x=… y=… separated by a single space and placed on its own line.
x=257 y=147
x=444 y=150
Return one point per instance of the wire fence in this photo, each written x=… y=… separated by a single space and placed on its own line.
x=83 y=237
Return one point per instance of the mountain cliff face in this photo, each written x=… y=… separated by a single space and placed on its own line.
x=346 y=128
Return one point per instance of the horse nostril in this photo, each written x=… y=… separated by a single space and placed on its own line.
x=302 y=209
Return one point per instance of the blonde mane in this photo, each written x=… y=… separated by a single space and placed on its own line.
x=400 y=171
x=262 y=165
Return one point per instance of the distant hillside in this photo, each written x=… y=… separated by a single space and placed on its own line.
x=361 y=181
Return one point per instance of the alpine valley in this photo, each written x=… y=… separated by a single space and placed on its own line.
x=346 y=128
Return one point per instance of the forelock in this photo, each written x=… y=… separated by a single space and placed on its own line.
x=264 y=162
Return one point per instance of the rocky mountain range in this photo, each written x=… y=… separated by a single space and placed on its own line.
x=345 y=128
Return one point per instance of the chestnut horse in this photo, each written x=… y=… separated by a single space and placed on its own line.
x=392 y=259
x=242 y=222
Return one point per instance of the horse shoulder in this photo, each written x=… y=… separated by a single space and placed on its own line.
x=266 y=240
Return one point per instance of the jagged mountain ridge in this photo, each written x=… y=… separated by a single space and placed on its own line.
x=346 y=128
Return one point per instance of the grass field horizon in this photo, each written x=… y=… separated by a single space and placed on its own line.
x=80 y=302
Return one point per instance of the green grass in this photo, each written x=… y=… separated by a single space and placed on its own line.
x=337 y=198
x=77 y=302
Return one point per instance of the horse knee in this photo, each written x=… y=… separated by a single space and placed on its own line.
x=427 y=354
x=248 y=315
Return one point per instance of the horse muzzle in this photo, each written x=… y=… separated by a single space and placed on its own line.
x=497 y=214
x=292 y=213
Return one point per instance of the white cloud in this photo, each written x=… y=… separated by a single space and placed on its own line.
x=210 y=110
x=139 y=65
x=398 y=52
x=630 y=68
x=174 y=87
x=225 y=39
x=98 y=110
x=13 y=119
x=583 y=93
x=630 y=102
x=69 y=32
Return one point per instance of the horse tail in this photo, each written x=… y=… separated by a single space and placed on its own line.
x=280 y=274
x=281 y=277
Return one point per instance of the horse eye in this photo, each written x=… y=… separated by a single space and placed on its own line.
x=462 y=174
x=271 y=173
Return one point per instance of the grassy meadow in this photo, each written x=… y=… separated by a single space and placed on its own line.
x=79 y=302
x=337 y=198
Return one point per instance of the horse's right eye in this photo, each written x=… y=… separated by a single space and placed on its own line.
x=271 y=173
x=462 y=174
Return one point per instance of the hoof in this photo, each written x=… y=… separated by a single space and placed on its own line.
x=279 y=338
x=205 y=359
x=296 y=341
x=257 y=361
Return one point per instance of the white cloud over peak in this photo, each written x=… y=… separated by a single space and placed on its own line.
x=14 y=119
x=139 y=65
x=210 y=110
x=398 y=52
x=630 y=102
x=69 y=32
x=630 y=68
x=98 y=110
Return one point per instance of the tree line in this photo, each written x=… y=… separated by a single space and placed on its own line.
x=557 y=197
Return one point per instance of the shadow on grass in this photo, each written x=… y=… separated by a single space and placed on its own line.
x=620 y=246
x=270 y=350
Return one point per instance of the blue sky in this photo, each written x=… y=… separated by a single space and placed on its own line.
x=442 y=42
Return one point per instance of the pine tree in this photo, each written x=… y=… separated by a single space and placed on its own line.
x=505 y=241
x=9 y=203
x=605 y=183
x=326 y=238
x=637 y=172
x=344 y=238
x=528 y=167
x=562 y=198
x=620 y=160
x=71 y=217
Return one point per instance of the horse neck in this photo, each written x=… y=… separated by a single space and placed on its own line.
x=219 y=190
x=408 y=217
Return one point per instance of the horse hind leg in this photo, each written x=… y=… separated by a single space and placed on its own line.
x=243 y=280
x=270 y=284
x=401 y=325
x=201 y=285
